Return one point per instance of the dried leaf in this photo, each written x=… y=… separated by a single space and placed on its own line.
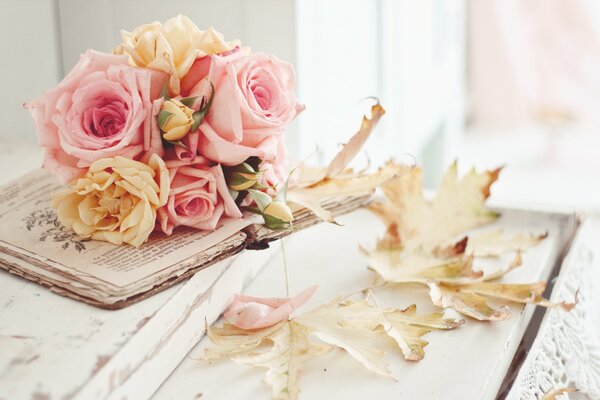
x=325 y=322
x=493 y=243
x=398 y=266
x=354 y=185
x=405 y=327
x=559 y=394
x=282 y=349
x=467 y=303
x=457 y=207
x=351 y=149
x=352 y=326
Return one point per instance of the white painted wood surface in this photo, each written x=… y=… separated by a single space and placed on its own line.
x=70 y=339
x=52 y=347
x=467 y=363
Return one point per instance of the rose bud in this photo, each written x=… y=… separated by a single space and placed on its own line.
x=241 y=181
x=242 y=177
x=175 y=120
x=278 y=215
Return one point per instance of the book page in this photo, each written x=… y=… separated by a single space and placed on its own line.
x=30 y=230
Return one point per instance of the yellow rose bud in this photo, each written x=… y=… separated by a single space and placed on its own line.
x=116 y=200
x=279 y=211
x=175 y=120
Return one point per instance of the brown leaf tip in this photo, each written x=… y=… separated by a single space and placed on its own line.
x=493 y=176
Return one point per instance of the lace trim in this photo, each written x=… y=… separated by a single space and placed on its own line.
x=566 y=352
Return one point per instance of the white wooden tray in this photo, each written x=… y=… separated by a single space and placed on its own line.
x=467 y=363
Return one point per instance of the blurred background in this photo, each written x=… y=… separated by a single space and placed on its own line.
x=487 y=82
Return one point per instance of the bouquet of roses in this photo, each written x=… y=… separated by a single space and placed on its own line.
x=176 y=127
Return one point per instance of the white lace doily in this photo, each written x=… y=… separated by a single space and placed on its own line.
x=566 y=351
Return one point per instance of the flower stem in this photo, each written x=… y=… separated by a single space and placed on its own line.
x=285 y=269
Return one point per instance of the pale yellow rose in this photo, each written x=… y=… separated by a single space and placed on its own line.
x=171 y=47
x=175 y=120
x=116 y=200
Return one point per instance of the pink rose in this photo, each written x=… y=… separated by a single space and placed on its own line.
x=198 y=197
x=247 y=312
x=102 y=108
x=254 y=101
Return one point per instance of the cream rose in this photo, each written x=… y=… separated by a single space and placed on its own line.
x=172 y=47
x=116 y=200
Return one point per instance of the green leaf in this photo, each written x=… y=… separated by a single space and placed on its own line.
x=189 y=101
x=275 y=223
x=233 y=193
x=163 y=118
x=282 y=195
x=198 y=116
x=262 y=199
x=164 y=92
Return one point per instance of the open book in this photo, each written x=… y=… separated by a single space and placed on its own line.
x=34 y=245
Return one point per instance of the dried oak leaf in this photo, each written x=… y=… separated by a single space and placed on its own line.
x=351 y=326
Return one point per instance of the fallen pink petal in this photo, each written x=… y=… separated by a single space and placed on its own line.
x=248 y=312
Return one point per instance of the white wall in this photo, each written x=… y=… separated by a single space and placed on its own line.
x=30 y=61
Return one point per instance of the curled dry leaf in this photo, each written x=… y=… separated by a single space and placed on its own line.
x=313 y=185
x=454 y=283
x=352 y=326
x=351 y=149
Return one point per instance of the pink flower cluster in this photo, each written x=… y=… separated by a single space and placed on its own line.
x=106 y=107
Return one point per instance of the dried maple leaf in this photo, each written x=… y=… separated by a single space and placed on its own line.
x=415 y=247
x=457 y=207
x=405 y=327
x=454 y=283
x=351 y=326
x=282 y=349
x=472 y=298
